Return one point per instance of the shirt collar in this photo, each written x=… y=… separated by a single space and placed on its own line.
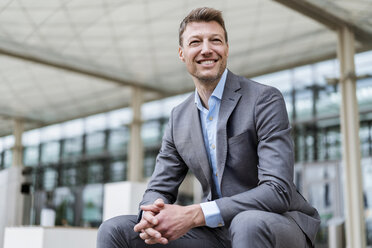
x=217 y=92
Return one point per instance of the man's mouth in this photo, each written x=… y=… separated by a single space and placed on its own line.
x=207 y=62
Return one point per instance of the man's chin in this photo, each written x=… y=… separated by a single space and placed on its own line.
x=211 y=78
x=208 y=79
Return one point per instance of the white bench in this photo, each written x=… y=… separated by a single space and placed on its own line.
x=49 y=237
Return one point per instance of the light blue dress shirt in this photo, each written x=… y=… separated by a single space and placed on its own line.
x=208 y=120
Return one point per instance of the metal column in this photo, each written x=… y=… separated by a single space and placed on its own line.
x=17 y=149
x=354 y=211
x=135 y=152
x=14 y=199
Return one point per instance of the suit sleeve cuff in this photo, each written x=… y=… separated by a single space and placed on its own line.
x=139 y=216
x=212 y=214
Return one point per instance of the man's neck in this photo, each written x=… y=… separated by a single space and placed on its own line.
x=205 y=90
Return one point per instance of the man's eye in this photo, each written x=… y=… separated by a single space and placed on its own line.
x=194 y=42
x=217 y=41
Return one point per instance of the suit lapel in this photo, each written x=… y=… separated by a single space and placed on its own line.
x=229 y=100
x=198 y=144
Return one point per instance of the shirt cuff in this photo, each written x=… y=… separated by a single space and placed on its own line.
x=212 y=214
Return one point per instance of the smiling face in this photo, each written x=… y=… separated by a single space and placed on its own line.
x=204 y=51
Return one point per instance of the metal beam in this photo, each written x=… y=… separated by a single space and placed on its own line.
x=353 y=190
x=6 y=116
x=329 y=15
x=48 y=58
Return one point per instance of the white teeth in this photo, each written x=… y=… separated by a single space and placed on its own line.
x=207 y=62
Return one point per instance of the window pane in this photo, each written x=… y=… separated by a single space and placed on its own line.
x=334 y=144
x=151 y=134
x=118 y=171
x=92 y=209
x=69 y=177
x=364 y=139
x=118 y=140
x=95 y=143
x=321 y=186
x=149 y=164
x=64 y=203
x=95 y=123
x=328 y=102
x=50 y=152
x=367 y=196
x=72 y=147
x=31 y=156
x=304 y=105
x=50 y=179
x=8 y=158
x=95 y=173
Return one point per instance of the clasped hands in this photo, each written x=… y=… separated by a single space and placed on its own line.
x=162 y=223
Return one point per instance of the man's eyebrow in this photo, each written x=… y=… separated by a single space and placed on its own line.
x=199 y=35
x=218 y=35
x=194 y=36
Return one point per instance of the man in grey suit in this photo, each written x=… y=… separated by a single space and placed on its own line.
x=234 y=135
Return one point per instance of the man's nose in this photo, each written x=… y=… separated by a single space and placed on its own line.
x=206 y=48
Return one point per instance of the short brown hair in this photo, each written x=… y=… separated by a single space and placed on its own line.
x=204 y=14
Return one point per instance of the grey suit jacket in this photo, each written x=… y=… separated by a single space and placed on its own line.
x=254 y=155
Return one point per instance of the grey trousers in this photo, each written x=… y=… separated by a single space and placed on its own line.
x=248 y=229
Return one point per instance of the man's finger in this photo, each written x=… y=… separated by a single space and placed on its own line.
x=144 y=236
x=149 y=217
x=163 y=241
x=155 y=207
x=143 y=224
x=151 y=232
x=152 y=241
x=151 y=236
x=152 y=208
x=159 y=203
x=138 y=227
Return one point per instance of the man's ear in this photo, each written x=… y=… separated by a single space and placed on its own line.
x=180 y=54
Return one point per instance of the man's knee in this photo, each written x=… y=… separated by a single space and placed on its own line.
x=250 y=222
x=251 y=229
x=115 y=230
x=255 y=228
x=119 y=223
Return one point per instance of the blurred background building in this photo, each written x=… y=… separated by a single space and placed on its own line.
x=78 y=78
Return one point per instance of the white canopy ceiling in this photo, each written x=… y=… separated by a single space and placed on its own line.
x=64 y=59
